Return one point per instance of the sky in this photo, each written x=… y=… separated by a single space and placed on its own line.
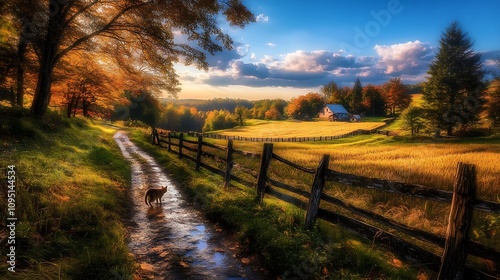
x=297 y=46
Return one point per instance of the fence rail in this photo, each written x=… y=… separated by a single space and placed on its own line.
x=456 y=244
x=376 y=130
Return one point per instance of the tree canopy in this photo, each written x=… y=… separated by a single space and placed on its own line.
x=454 y=92
x=140 y=37
x=305 y=107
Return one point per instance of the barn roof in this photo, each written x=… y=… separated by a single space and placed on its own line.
x=337 y=108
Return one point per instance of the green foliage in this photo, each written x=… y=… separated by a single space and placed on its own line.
x=241 y=112
x=414 y=119
x=270 y=109
x=217 y=120
x=454 y=92
x=143 y=106
x=181 y=118
x=356 y=98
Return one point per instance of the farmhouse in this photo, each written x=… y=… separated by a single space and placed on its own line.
x=334 y=112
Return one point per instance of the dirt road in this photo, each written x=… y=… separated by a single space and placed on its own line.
x=173 y=240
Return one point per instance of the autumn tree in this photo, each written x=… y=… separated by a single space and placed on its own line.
x=241 y=113
x=332 y=93
x=138 y=35
x=373 y=101
x=454 y=92
x=395 y=95
x=356 y=98
x=305 y=107
x=84 y=83
x=269 y=109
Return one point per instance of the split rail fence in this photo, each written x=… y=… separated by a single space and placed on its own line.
x=456 y=245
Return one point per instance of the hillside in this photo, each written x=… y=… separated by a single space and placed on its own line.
x=70 y=185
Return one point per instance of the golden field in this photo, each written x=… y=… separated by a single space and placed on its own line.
x=432 y=164
x=263 y=129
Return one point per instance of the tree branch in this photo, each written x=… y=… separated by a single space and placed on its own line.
x=97 y=32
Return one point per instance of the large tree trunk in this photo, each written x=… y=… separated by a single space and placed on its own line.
x=42 y=96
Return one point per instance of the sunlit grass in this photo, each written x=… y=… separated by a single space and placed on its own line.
x=432 y=164
x=71 y=198
x=284 y=129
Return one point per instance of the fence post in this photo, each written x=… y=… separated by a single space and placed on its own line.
x=181 y=135
x=459 y=225
x=267 y=154
x=198 y=152
x=316 y=191
x=169 y=136
x=229 y=163
x=157 y=137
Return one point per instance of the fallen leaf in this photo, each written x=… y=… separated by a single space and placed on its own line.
x=245 y=261
x=220 y=250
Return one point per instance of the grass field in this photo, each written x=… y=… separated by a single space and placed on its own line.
x=430 y=163
x=256 y=128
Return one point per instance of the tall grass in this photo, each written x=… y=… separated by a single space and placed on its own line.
x=71 y=198
x=432 y=164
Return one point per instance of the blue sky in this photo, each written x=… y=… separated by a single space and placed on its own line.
x=297 y=46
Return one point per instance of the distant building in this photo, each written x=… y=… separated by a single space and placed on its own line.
x=355 y=118
x=335 y=112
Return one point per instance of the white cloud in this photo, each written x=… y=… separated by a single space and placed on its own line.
x=407 y=57
x=270 y=44
x=262 y=18
x=253 y=56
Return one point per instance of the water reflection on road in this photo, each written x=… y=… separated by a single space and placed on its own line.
x=172 y=240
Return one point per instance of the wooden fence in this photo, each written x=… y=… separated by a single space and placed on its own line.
x=289 y=139
x=456 y=244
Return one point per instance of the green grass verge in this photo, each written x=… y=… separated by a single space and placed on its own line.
x=71 y=198
x=273 y=230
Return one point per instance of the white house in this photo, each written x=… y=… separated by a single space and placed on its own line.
x=334 y=112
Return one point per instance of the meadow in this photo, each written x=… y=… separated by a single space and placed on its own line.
x=427 y=162
x=263 y=129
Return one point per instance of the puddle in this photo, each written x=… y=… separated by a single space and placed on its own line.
x=172 y=240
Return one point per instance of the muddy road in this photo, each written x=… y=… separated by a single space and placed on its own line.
x=173 y=240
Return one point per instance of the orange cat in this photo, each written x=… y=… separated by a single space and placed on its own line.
x=154 y=195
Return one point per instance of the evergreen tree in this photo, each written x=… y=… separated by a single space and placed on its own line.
x=493 y=108
x=454 y=91
x=356 y=98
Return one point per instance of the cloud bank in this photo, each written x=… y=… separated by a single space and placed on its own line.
x=307 y=69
